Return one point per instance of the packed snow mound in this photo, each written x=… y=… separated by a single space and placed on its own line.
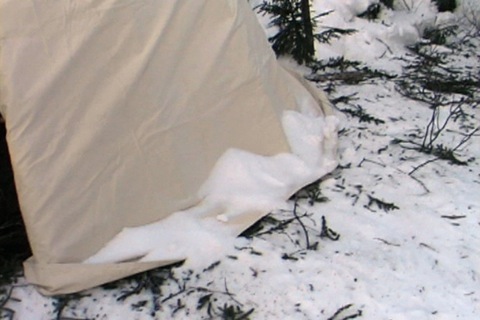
x=241 y=185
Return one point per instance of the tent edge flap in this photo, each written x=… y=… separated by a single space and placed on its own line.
x=56 y=278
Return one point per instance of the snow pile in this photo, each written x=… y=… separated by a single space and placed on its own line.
x=241 y=186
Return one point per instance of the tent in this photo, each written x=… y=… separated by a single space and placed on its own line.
x=117 y=111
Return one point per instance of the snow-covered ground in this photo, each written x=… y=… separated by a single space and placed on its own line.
x=391 y=235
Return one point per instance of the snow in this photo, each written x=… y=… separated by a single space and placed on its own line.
x=239 y=184
x=418 y=258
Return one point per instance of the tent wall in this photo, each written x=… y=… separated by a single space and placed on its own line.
x=117 y=110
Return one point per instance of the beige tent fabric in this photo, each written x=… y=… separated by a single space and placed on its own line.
x=117 y=110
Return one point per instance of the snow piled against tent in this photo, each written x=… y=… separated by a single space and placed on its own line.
x=242 y=186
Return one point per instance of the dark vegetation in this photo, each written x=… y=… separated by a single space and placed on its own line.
x=14 y=247
x=446 y=5
x=296 y=25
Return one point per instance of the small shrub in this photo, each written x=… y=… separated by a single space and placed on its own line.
x=446 y=5
x=295 y=36
x=372 y=12
x=387 y=3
